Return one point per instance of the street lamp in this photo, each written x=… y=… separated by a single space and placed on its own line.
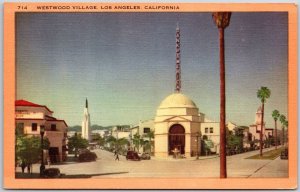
x=197 y=140
x=42 y=167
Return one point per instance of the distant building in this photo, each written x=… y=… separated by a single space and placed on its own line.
x=121 y=132
x=30 y=117
x=143 y=128
x=86 y=123
x=100 y=132
x=255 y=128
x=211 y=130
x=231 y=126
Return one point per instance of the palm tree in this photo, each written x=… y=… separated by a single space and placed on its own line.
x=263 y=94
x=117 y=143
x=222 y=20
x=275 y=116
x=137 y=141
x=150 y=135
x=282 y=119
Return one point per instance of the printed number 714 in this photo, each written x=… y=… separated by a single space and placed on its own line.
x=22 y=7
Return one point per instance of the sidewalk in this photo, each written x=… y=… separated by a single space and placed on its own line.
x=276 y=168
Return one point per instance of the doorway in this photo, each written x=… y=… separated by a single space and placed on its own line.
x=53 y=154
x=176 y=139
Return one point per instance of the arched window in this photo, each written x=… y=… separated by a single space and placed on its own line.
x=177 y=138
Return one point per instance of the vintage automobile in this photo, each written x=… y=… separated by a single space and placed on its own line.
x=284 y=154
x=132 y=155
x=145 y=156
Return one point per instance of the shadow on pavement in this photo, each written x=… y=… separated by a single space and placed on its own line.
x=91 y=175
x=37 y=175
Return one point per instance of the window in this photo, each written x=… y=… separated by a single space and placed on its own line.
x=146 y=130
x=34 y=127
x=53 y=127
x=20 y=129
x=211 y=130
x=206 y=129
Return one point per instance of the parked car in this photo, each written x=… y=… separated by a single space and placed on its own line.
x=284 y=154
x=51 y=173
x=87 y=156
x=132 y=155
x=145 y=156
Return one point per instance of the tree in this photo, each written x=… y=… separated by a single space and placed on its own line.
x=222 y=20
x=77 y=142
x=263 y=94
x=150 y=135
x=137 y=141
x=234 y=141
x=275 y=116
x=28 y=148
x=122 y=143
x=117 y=143
x=100 y=141
x=283 y=121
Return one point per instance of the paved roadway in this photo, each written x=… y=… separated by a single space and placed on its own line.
x=237 y=166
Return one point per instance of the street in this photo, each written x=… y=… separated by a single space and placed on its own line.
x=205 y=167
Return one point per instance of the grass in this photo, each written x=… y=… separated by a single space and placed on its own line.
x=269 y=155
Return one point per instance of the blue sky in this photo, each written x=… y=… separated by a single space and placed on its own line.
x=124 y=63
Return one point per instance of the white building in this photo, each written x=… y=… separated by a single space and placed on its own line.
x=211 y=130
x=176 y=126
x=30 y=117
x=231 y=126
x=86 y=123
x=121 y=132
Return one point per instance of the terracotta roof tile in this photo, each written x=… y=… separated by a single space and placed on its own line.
x=30 y=104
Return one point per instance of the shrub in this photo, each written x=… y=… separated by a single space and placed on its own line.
x=87 y=156
x=52 y=173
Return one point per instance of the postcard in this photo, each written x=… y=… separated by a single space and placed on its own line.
x=150 y=96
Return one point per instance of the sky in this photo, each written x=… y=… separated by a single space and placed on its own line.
x=124 y=63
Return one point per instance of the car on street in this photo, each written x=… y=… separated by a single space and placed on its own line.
x=284 y=154
x=145 y=156
x=132 y=155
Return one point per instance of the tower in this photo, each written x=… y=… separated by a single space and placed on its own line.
x=178 y=70
x=258 y=116
x=177 y=121
x=86 y=123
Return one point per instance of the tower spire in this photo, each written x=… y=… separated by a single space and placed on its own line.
x=86 y=103
x=178 y=70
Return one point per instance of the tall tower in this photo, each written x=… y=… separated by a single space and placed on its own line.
x=258 y=119
x=178 y=70
x=86 y=123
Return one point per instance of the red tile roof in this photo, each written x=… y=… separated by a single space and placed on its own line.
x=29 y=104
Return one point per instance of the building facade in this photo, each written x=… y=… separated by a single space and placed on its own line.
x=210 y=130
x=30 y=117
x=176 y=126
x=254 y=129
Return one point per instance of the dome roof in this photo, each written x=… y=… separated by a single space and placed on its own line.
x=177 y=100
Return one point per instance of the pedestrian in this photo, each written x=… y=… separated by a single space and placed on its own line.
x=117 y=157
x=115 y=153
x=23 y=166
x=48 y=161
x=28 y=168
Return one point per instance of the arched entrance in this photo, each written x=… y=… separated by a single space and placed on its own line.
x=176 y=138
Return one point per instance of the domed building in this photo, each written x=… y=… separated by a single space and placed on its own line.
x=177 y=124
